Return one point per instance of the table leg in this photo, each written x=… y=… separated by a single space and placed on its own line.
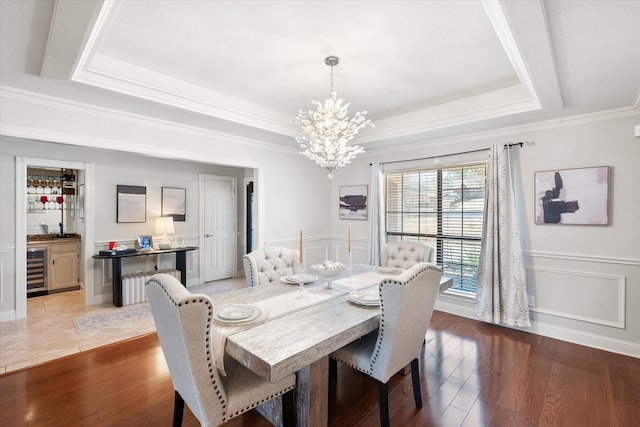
x=116 y=281
x=312 y=394
x=181 y=265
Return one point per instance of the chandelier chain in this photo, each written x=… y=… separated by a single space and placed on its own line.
x=331 y=91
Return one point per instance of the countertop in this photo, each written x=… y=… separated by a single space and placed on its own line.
x=52 y=238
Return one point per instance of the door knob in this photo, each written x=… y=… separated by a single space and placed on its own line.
x=208 y=235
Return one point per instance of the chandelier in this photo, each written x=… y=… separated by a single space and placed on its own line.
x=328 y=129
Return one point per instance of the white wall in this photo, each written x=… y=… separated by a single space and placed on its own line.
x=585 y=279
x=290 y=194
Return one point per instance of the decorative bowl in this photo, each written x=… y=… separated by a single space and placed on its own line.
x=329 y=269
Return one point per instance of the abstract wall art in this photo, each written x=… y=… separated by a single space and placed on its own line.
x=572 y=196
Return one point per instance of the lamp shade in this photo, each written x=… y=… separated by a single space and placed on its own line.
x=164 y=225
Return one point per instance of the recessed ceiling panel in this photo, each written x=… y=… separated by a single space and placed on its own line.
x=257 y=63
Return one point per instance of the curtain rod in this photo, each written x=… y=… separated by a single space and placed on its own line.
x=509 y=145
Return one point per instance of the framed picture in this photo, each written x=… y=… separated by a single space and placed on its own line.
x=174 y=203
x=353 y=202
x=572 y=196
x=144 y=243
x=132 y=203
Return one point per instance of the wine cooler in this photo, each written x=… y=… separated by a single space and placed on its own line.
x=36 y=271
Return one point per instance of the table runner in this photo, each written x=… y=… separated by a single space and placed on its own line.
x=358 y=281
x=286 y=303
x=270 y=308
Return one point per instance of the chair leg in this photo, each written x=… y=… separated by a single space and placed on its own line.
x=178 y=410
x=383 y=402
x=288 y=409
x=415 y=379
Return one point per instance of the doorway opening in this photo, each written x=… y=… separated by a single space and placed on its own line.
x=249 y=227
x=66 y=213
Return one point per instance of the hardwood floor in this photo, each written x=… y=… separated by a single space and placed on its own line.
x=473 y=374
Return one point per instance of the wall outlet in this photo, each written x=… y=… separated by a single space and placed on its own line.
x=531 y=300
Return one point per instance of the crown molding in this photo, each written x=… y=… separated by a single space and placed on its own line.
x=449 y=115
x=509 y=131
x=188 y=97
x=11 y=93
x=47 y=101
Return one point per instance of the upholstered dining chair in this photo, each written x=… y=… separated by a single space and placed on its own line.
x=269 y=263
x=183 y=321
x=407 y=302
x=404 y=254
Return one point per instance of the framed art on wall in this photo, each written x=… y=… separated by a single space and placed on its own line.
x=572 y=196
x=174 y=203
x=131 y=203
x=353 y=202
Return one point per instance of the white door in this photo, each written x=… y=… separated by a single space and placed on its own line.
x=220 y=227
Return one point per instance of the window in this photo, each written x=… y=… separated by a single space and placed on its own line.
x=444 y=209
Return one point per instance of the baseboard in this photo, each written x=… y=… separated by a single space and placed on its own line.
x=102 y=299
x=456 y=309
x=587 y=339
x=600 y=342
x=7 y=316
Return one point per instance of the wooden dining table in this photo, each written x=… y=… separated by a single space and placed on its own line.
x=298 y=338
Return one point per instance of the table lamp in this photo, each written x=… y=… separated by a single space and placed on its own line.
x=164 y=226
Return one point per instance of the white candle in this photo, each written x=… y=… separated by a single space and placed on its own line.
x=301 y=246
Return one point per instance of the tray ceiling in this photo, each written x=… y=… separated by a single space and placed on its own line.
x=415 y=66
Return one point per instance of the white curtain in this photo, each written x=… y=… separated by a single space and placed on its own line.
x=376 y=212
x=501 y=293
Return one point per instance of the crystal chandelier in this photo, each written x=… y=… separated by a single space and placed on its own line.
x=328 y=129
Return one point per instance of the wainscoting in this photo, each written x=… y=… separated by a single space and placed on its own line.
x=7 y=287
x=586 y=300
x=578 y=295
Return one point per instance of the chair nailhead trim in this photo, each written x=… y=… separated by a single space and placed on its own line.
x=376 y=351
x=207 y=338
x=253 y=405
x=223 y=402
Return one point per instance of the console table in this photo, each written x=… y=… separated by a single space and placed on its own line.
x=116 y=267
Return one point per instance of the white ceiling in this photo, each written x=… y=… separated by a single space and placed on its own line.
x=422 y=69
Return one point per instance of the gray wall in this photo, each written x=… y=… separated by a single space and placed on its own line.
x=585 y=279
x=111 y=169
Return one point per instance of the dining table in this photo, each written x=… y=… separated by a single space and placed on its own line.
x=288 y=326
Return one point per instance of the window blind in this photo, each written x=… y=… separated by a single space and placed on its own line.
x=443 y=208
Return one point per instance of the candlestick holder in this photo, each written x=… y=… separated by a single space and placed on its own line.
x=300 y=278
x=350 y=266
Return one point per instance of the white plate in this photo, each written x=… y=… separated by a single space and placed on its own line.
x=365 y=297
x=363 y=303
x=294 y=279
x=238 y=313
x=388 y=270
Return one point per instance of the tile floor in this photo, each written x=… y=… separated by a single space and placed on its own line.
x=49 y=332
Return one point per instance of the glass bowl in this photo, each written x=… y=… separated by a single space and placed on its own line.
x=329 y=269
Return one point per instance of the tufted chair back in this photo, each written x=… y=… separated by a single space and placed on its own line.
x=183 y=321
x=405 y=254
x=406 y=305
x=269 y=263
